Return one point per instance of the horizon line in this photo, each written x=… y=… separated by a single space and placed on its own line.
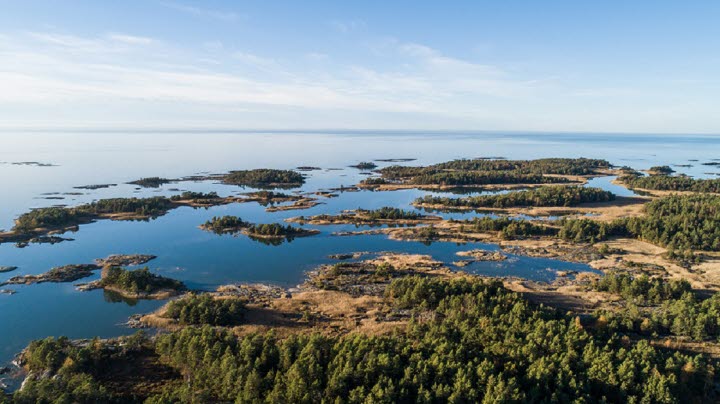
x=200 y=129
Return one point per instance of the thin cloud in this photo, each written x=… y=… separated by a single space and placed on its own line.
x=429 y=83
x=227 y=16
x=131 y=39
x=109 y=43
x=256 y=61
x=54 y=78
x=347 y=26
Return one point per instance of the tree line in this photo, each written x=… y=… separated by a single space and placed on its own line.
x=562 y=166
x=470 y=340
x=462 y=178
x=388 y=213
x=672 y=183
x=193 y=196
x=264 y=177
x=138 y=280
x=234 y=224
x=678 y=222
x=642 y=289
x=205 y=309
x=59 y=216
x=544 y=196
x=507 y=228
x=150 y=182
x=493 y=170
x=656 y=306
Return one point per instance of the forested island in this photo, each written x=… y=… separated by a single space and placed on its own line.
x=136 y=283
x=365 y=165
x=660 y=170
x=57 y=217
x=382 y=215
x=151 y=182
x=265 y=178
x=671 y=183
x=482 y=172
x=546 y=196
x=234 y=225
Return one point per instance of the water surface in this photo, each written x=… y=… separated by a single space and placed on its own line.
x=203 y=260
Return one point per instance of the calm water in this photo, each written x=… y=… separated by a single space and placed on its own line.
x=204 y=260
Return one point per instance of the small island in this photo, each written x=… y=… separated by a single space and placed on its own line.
x=124 y=260
x=384 y=215
x=235 y=225
x=264 y=178
x=95 y=186
x=660 y=170
x=65 y=273
x=365 y=165
x=135 y=284
x=482 y=255
x=151 y=182
x=396 y=160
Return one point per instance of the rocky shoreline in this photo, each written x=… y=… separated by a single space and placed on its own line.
x=65 y=273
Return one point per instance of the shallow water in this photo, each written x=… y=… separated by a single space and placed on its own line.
x=203 y=260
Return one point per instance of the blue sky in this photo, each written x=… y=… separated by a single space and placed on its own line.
x=615 y=66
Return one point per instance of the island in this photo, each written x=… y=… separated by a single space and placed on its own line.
x=151 y=182
x=124 y=260
x=551 y=196
x=269 y=231
x=365 y=165
x=669 y=183
x=660 y=170
x=482 y=255
x=264 y=178
x=384 y=215
x=95 y=186
x=135 y=284
x=488 y=173
x=73 y=272
x=65 y=273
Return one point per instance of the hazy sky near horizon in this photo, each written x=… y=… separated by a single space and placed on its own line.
x=616 y=66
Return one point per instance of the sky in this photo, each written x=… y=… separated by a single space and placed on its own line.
x=577 y=66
